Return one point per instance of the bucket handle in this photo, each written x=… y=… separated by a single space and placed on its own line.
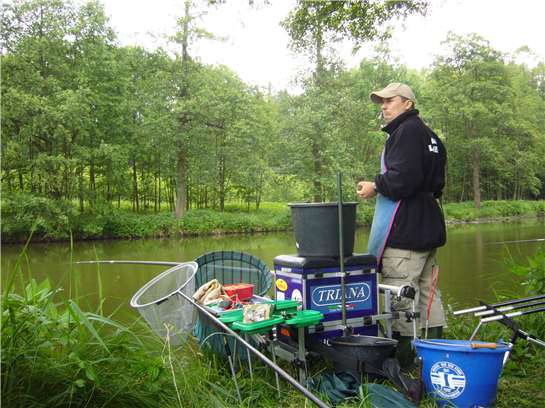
x=484 y=345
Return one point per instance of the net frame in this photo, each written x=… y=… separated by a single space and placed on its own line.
x=168 y=314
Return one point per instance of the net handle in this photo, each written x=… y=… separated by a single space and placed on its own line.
x=134 y=301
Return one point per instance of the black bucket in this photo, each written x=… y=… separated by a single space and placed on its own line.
x=316 y=228
x=362 y=353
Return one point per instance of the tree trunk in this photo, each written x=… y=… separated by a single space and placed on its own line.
x=171 y=184
x=159 y=191
x=80 y=190
x=143 y=189
x=181 y=164
x=221 y=182
x=317 y=172
x=181 y=199
x=92 y=181
x=476 y=159
x=155 y=193
x=135 y=199
x=316 y=156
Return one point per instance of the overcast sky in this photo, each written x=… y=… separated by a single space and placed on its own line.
x=257 y=47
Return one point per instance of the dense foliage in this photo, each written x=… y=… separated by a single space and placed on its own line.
x=58 y=220
x=86 y=120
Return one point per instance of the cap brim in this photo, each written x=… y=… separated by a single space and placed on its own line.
x=376 y=98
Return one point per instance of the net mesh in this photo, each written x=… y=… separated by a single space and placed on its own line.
x=161 y=305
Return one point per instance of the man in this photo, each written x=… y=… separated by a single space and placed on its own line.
x=408 y=225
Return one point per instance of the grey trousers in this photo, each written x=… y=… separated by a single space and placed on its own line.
x=406 y=267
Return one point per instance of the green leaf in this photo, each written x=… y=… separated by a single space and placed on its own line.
x=81 y=318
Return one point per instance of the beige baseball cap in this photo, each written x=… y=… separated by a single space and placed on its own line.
x=393 y=89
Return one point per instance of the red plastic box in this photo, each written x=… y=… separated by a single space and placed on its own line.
x=244 y=290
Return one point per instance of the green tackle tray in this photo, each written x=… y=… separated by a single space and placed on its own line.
x=231 y=316
x=305 y=318
x=258 y=327
x=288 y=306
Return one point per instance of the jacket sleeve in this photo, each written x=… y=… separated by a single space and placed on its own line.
x=404 y=163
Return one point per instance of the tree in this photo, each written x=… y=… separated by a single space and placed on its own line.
x=313 y=26
x=471 y=88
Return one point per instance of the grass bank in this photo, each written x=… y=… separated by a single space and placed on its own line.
x=54 y=220
x=56 y=354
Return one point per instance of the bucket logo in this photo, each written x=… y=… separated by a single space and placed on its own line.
x=449 y=381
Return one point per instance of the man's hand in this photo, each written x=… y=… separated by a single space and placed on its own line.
x=366 y=189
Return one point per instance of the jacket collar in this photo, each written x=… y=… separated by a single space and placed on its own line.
x=394 y=124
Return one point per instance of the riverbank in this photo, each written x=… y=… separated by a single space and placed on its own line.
x=54 y=220
x=57 y=354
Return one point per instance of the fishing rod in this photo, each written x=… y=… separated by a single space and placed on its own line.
x=226 y=329
x=516 y=242
x=506 y=320
x=496 y=305
x=160 y=263
x=507 y=308
x=341 y=252
x=514 y=314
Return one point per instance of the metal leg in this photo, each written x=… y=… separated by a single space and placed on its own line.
x=388 y=309
x=301 y=356
x=475 y=331
x=273 y=352
x=235 y=347
x=232 y=366
x=414 y=319
x=249 y=357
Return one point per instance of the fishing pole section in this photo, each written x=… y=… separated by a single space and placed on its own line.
x=504 y=312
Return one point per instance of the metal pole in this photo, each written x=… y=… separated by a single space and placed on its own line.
x=249 y=357
x=232 y=365
x=341 y=251
x=273 y=353
x=302 y=358
x=388 y=309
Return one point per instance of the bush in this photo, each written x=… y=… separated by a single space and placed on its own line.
x=50 y=219
x=56 y=355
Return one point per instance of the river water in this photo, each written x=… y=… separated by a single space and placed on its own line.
x=472 y=264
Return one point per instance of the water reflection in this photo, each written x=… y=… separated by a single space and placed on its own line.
x=472 y=263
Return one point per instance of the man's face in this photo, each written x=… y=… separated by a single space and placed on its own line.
x=393 y=107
